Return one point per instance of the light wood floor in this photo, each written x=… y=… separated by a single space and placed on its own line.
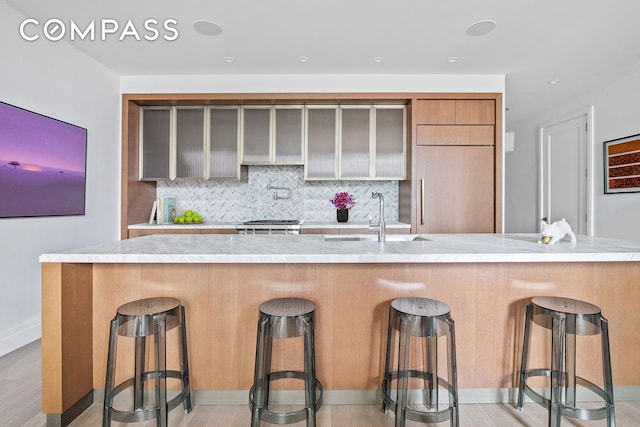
x=20 y=406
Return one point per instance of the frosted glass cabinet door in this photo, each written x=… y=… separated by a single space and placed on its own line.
x=390 y=143
x=355 y=135
x=288 y=135
x=190 y=142
x=256 y=135
x=223 y=143
x=155 y=143
x=321 y=143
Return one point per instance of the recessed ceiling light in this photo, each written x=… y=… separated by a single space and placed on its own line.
x=228 y=59
x=207 y=28
x=481 y=28
x=303 y=58
x=378 y=59
x=554 y=82
x=452 y=59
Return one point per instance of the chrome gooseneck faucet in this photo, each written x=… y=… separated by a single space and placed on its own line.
x=381 y=227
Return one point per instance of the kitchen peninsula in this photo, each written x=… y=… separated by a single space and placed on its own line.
x=222 y=279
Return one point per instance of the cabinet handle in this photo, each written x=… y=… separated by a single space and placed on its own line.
x=421 y=201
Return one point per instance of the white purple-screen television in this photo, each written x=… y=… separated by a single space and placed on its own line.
x=42 y=165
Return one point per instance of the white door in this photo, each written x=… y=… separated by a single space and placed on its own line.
x=564 y=173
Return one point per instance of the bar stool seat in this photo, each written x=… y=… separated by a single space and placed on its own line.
x=150 y=317
x=566 y=318
x=428 y=319
x=285 y=318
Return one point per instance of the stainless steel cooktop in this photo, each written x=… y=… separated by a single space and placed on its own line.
x=270 y=226
x=272 y=222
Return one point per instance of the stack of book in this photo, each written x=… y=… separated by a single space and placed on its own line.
x=163 y=211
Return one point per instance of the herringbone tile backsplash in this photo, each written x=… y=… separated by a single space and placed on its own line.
x=232 y=201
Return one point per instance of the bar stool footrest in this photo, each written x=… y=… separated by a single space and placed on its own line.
x=413 y=414
x=569 y=411
x=286 y=417
x=149 y=413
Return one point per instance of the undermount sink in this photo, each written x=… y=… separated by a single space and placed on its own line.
x=373 y=238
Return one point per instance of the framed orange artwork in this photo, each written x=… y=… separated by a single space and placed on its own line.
x=622 y=165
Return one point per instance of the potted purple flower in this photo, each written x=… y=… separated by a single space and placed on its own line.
x=343 y=201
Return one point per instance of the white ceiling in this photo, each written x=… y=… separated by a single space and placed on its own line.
x=582 y=43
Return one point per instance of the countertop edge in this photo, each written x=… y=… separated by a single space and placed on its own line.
x=233 y=225
x=313 y=249
x=323 y=259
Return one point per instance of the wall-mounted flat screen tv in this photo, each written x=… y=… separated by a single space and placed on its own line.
x=42 y=165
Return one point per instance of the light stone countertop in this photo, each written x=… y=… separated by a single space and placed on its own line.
x=232 y=225
x=439 y=248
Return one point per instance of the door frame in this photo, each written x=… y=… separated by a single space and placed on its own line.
x=589 y=141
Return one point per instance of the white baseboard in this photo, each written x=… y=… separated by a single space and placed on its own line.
x=19 y=335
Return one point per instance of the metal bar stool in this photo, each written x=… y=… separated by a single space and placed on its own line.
x=141 y=319
x=428 y=319
x=566 y=318
x=284 y=318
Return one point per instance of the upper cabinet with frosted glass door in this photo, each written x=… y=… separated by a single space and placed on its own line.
x=182 y=143
x=272 y=135
x=356 y=142
x=155 y=143
x=223 y=147
x=171 y=143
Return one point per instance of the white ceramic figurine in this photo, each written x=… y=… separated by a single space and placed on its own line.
x=551 y=233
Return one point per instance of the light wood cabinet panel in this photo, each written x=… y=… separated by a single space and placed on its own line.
x=455 y=189
x=187 y=230
x=322 y=230
x=147 y=232
x=475 y=112
x=67 y=340
x=455 y=135
x=455 y=111
x=435 y=111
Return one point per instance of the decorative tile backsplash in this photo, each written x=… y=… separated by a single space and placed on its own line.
x=232 y=201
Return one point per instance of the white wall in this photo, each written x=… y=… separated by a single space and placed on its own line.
x=56 y=80
x=616 y=115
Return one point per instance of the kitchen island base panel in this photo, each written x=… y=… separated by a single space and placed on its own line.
x=487 y=300
x=67 y=336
